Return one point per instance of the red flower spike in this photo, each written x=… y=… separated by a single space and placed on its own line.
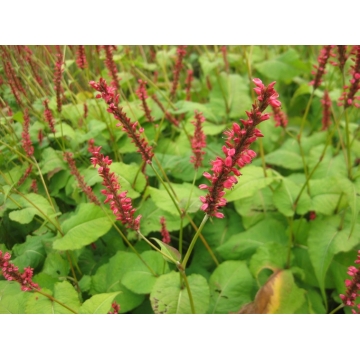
x=181 y=52
x=49 y=116
x=188 y=82
x=353 y=287
x=323 y=58
x=164 y=232
x=326 y=119
x=198 y=141
x=142 y=95
x=120 y=205
x=81 y=57
x=236 y=150
x=26 y=141
x=11 y=273
x=80 y=179
x=110 y=64
x=115 y=308
x=348 y=97
x=279 y=117
x=109 y=95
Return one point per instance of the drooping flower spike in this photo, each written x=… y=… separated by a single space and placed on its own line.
x=236 y=150
x=108 y=93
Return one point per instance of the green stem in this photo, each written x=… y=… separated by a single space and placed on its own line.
x=57 y=301
x=337 y=309
x=182 y=273
x=193 y=241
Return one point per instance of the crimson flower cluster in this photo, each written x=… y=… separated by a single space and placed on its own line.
x=342 y=57
x=109 y=95
x=236 y=150
x=164 y=231
x=323 y=58
x=353 y=286
x=115 y=308
x=120 y=205
x=279 y=117
x=80 y=179
x=188 y=81
x=111 y=66
x=181 y=52
x=49 y=116
x=11 y=273
x=142 y=95
x=198 y=141
x=326 y=119
x=26 y=141
x=81 y=57
x=348 y=96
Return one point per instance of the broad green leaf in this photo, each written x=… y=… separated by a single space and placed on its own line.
x=84 y=227
x=190 y=107
x=127 y=174
x=64 y=292
x=280 y=295
x=32 y=204
x=325 y=240
x=63 y=130
x=170 y=296
x=183 y=191
x=231 y=286
x=284 y=199
x=251 y=181
x=142 y=280
x=283 y=67
x=325 y=195
x=151 y=215
x=108 y=278
x=209 y=62
x=31 y=252
x=56 y=265
x=95 y=127
x=285 y=158
x=244 y=244
x=170 y=251
x=98 y=304
x=51 y=162
x=12 y=299
x=268 y=256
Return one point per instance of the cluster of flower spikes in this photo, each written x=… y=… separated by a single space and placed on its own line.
x=236 y=150
x=11 y=273
x=325 y=53
x=108 y=93
x=352 y=286
x=120 y=205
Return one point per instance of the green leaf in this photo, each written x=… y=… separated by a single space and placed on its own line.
x=142 y=280
x=231 y=286
x=151 y=215
x=32 y=204
x=283 y=67
x=52 y=161
x=98 y=304
x=169 y=251
x=63 y=129
x=31 y=253
x=284 y=199
x=268 y=256
x=64 y=292
x=325 y=240
x=244 y=244
x=84 y=227
x=183 y=191
x=170 y=296
x=55 y=265
x=12 y=299
x=108 y=278
x=251 y=181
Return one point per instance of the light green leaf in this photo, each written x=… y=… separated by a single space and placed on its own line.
x=169 y=296
x=98 y=304
x=251 y=181
x=52 y=161
x=284 y=199
x=12 y=299
x=231 y=286
x=84 y=227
